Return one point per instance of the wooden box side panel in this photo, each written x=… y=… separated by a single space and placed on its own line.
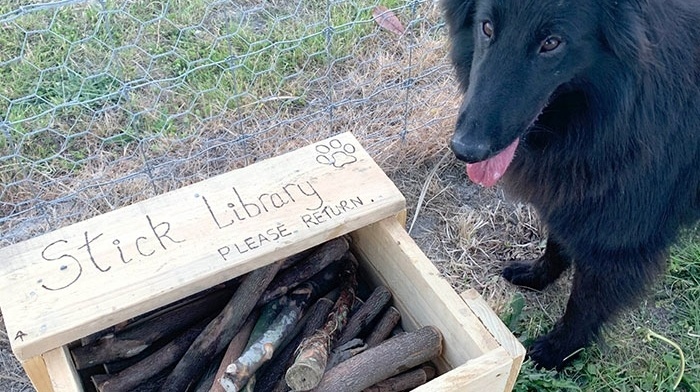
x=420 y=293
x=36 y=369
x=499 y=330
x=64 y=377
x=489 y=372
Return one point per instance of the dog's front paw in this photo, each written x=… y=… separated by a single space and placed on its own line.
x=550 y=352
x=526 y=274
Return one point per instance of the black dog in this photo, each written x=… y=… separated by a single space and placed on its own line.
x=593 y=107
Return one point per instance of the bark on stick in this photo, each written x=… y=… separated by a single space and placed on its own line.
x=383 y=361
x=312 y=358
x=239 y=372
x=293 y=276
x=133 y=341
x=384 y=326
x=133 y=376
x=234 y=350
x=218 y=333
x=365 y=314
x=274 y=373
x=404 y=381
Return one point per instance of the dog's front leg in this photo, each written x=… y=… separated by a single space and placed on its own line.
x=601 y=289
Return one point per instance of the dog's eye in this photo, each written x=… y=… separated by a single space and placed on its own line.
x=487 y=28
x=550 y=44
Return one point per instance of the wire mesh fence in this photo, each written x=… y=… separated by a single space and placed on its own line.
x=104 y=103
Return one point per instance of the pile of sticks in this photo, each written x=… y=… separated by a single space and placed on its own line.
x=294 y=325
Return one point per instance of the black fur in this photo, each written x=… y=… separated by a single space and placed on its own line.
x=609 y=128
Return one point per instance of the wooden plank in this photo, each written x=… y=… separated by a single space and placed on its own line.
x=499 y=330
x=422 y=296
x=64 y=377
x=38 y=374
x=488 y=372
x=59 y=287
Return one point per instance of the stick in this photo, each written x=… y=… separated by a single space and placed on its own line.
x=312 y=356
x=149 y=316
x=138 y=373
x=383 y=361
x=207 y=380
x=321 y=282
x=405 y=381
x=93 y=338
x=274 y=372
x=281 y=386
x=264 y=319
x=345 y=351
x=234 y=350
x=316 y=310
x=383 y=329
x=219 y=332
x=268 y=314
x=293 y=276
x=227 y=287
x=250 y=385
x=239 y=372
x=134 y=340
x=298 y=257
x=365 y=314
x=117 y=366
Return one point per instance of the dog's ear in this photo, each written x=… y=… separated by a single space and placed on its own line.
x=459 y=15
x=623 y=31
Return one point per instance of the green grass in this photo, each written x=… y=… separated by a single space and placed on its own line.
x=164 y=67
x=633 y=359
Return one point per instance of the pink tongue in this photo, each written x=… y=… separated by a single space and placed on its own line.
x=488 y=172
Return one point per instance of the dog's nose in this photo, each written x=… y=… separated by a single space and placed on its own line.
x=470 y=152
x=465 y=143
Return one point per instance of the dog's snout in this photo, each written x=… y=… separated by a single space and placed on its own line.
x=460 y=120
x=469 y=152
x=465 y=143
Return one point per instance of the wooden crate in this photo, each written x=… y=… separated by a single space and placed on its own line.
x=78 y=280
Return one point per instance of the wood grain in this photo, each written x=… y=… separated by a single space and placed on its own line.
x=77 y=280
x=421 y=295
x=499 y=331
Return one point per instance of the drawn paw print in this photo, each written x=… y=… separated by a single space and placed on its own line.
x=335 y=153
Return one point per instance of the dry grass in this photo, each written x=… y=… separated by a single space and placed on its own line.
x=12 y=376
x=469 y=232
